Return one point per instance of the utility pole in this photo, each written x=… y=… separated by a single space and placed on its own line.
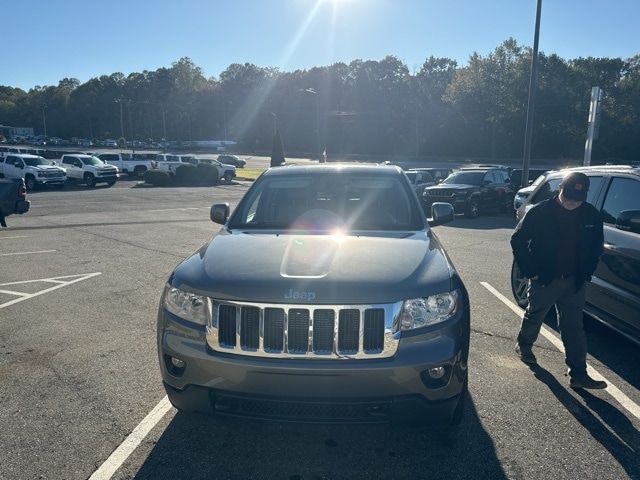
x=224 y=121
x=133 y=148
x=119 y=101
x=528 y=132
x=593 y=123
x=314 y=92
x=417 y=141
x=44 y=119
x=164 y=124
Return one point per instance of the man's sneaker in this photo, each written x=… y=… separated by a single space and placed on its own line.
x=585 y=381
x=526 y=355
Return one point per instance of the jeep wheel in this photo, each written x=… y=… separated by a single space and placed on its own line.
x=228 y=177
x=89 y=180
x=519 y=286
x=473 y=209
x=139 y=171
x=111 y=184
x=30 y=183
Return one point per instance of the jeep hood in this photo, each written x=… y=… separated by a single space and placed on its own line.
x=317 y=269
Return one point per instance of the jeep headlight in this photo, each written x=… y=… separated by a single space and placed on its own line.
x=186 y=305
x=423 y=312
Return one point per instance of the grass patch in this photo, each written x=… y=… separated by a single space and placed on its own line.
x=248 y=173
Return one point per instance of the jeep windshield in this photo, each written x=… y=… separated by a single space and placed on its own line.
x=465 y=178
x=329 y=202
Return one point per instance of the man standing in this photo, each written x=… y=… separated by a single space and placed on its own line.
x=557 y=245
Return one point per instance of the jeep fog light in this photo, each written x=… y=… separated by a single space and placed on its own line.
x=176 y=362
x=422 y=312
x=435 y=373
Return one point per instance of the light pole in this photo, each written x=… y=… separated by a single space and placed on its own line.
x=44 y=119
x=275 y=122
x=313 y=91
x=528 y=132
x=119 y=101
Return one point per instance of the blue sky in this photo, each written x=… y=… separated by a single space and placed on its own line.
x=46 y=40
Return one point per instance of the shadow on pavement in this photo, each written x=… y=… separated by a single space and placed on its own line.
x=608 y=347
x=489 y=222
x=609 y=426
x=195 y=446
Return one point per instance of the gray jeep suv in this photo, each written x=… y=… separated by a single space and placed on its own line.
x=326 y=297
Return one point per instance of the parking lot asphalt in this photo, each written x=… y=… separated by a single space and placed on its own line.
x=79 y=371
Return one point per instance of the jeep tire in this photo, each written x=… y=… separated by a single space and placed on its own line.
x=473 y=208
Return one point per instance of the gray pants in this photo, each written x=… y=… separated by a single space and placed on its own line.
x=561 y=292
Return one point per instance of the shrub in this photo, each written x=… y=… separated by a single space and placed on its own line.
x=186 y=175
x=207 y=174
x=157 y=178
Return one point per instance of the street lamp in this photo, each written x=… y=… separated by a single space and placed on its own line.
x=312 y=91
x=44 y=119
x=528 y=132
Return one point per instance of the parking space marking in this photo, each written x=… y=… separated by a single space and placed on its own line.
x=11 y=292
x=26 y=253
x=15 y=236
x=611 y=389
x=126 y=448
x=59 y=281
x=176 y=209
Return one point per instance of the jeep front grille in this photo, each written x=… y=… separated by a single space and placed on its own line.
x=304 y=331
x=440 y=193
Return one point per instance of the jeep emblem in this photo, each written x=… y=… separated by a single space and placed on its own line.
x=297 y=295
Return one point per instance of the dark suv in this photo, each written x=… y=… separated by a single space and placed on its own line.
x=613 y=294
x=473 y=191
x=325 y=297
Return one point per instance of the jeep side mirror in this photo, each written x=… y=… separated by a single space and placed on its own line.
x=219 y=213
x=441 y=213
x=629 y=221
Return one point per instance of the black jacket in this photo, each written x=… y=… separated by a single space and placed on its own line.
x=535 y=242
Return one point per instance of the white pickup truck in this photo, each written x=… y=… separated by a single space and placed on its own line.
x=169 y=163
x=88 y=170
x=135 y=166
x=34 y=169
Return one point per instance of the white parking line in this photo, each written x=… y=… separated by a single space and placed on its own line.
x=126 y=448
x=26 y=253
x=176 y=209
x=15 y=236
x=60 y=284
x=11 y=292
x=611 y=389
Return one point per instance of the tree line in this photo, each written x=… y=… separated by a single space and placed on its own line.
x=366 y=107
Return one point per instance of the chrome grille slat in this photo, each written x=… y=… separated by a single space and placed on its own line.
x=304 y=331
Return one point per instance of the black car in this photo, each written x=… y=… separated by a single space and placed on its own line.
x=232 y=160
x=515 y=178
x=13 y=196
x=473 y=191
x=613 y=294
x=438 y=174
